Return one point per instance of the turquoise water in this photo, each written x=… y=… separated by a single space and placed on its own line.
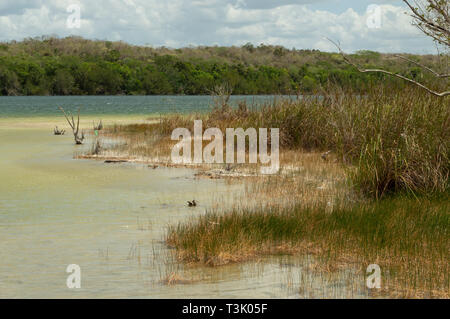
x=39 y=106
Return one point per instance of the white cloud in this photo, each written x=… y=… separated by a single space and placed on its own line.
x=18 y=6
x=229 y=22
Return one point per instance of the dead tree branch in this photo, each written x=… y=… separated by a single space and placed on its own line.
x=347 y=60
x=221 y=96
x=424 y=67
x=57 y=131
x=434 y=20
x=97 y=127
x=75 y=127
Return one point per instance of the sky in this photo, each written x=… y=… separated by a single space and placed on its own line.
x=379 y=25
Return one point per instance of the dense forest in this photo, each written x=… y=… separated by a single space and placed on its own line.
x=77 y=66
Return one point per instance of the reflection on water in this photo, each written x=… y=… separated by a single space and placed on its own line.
x=111 y=220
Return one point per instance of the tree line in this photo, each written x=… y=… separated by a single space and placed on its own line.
x=77 y=66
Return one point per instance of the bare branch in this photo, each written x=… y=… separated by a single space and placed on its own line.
x=57 y=131
x=67 y=118
x=75 y=129
x=440 y=94
x=438 y=8
x=78 y=121
x=417 y=15
x=435 y=26
x=423 y=66
x=97 y=127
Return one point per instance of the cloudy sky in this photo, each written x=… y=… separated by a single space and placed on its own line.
x=380 y=25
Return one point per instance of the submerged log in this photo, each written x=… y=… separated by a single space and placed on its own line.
x=192 y=204
x=115 y=161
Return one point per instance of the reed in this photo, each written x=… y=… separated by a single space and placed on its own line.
x=380 y=197
x=408 y=238
x=392 y=141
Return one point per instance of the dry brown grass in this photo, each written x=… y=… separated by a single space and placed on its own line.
x=398 y=141
x=397 y=144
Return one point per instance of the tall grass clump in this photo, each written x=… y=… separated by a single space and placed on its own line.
x=399 y=142
x=408 y=238
x=392 y=140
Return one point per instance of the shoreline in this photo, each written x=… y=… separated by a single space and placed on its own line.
x=344 y=226
x=272 y=207
x=49 y=122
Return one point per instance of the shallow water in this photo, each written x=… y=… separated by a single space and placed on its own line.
x=56 y=211
x=110 y=219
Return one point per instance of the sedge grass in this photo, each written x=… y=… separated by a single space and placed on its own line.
x=392 y=142
x=408 y=238
x=397 y=141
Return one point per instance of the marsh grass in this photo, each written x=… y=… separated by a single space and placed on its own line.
x=398 y=140
x=391 y=141
x=381 y=196
x=408 y=238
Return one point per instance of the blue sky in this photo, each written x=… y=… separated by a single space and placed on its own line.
x=380 y=25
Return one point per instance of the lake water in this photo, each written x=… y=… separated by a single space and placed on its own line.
x=42 y=106
x=111 y=219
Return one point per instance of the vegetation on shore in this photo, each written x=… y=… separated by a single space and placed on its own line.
x=408 y=238
x=392 y=141
x=77 y=66
x=378 y=195
x=394 y=147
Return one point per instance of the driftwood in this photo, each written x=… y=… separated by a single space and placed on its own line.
x=75 y=126
x=57 y=131
x=113 y=161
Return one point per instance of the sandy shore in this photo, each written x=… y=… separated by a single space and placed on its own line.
x=60 y=121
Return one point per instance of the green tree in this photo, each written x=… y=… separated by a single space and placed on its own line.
x=63 y=82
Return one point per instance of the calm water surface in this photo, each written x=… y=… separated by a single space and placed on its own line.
x=33 y=106
x=111 y=221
